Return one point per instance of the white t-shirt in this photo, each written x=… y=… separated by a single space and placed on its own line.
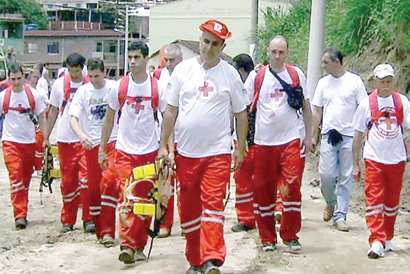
x=339 y=98
x=276 y=122
x=205 y=98
x=42 y=88
x=18 y=127
x=385 y=139
x=137 y=133
x=90 y=105
x=64 y=132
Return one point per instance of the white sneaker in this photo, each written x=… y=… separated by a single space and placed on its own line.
x=376 y=251
x=389 y=247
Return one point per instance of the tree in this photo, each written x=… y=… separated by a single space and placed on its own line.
x=115 y=9
x=31 y=10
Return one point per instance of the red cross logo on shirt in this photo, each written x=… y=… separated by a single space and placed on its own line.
x=137 y=107
x=389 y=122
x=206 y=88
x=277 y=95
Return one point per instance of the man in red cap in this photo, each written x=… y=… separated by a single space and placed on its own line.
x=202 y=92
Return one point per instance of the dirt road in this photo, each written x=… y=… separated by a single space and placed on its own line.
x=40 y=248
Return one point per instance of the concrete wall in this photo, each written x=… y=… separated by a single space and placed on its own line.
x=181 y=20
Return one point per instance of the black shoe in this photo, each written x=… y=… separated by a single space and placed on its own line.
x=21 y=223
x=126 y=256
x=66 y=228
x=241 y=227
x=210 y=267
x=89 y=227
x=194 y=270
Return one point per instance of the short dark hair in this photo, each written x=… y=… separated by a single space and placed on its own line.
x=75 y=60
x=244 y=61
x=334 y=54
x=95 y=63
x=16 y=67
x=141 y=46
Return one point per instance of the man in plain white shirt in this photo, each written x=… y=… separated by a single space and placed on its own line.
x=336 y=98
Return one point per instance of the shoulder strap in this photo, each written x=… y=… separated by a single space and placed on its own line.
x=67 y=87
x=398 y=106
x=293 y=75
x=30 y=97
x=123 y=90
x=7 y=97
x=6 y=102
x=157 y=73
x=257 y=87
x=374 y=105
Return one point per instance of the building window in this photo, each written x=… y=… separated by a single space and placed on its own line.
x=65 y=5
x=31 y=47
x=91 y=5
x=110 y=46
x=53 y=48
x=98 y=46
x=78 y=5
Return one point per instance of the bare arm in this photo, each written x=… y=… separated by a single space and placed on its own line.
x=357 y=144
x=84 y=139
x=242 y=131
x=307 y=118
x=108 y=124
x=170 y=116
x=42 y=122
x=51 y=120
x=316 y=119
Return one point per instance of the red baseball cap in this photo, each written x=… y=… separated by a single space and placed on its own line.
x=217 y=28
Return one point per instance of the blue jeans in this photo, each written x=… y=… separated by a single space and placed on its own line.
x=336 y=174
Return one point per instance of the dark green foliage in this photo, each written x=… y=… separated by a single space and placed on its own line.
x=350 y=25
x=31 y=10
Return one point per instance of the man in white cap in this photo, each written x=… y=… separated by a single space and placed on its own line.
x=383 y=117
x=336 y=98
x=202 y=92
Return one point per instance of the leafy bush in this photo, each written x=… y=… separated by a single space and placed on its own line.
x=351 y=25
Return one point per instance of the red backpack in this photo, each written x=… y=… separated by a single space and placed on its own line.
x=123 y=91
x=7 y=97
x=375 y=111
x=67 y=89
x=261 y=76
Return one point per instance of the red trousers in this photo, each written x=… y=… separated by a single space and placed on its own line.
x=72 y=183
x=244 y=191
x=382 y=189
x=203 y=183
x=110 y=195
x=38 y=164
x=275 y=164
x=279 y=205
x=19 y=160
x=133 y=228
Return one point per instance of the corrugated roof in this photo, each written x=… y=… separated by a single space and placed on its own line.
x=78 y=33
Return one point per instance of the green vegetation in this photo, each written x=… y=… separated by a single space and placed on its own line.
x=31 y=10
x=351 y=25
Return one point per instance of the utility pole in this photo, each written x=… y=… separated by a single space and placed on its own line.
x=316 y=43
x=126 y=42
x=254 y=27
